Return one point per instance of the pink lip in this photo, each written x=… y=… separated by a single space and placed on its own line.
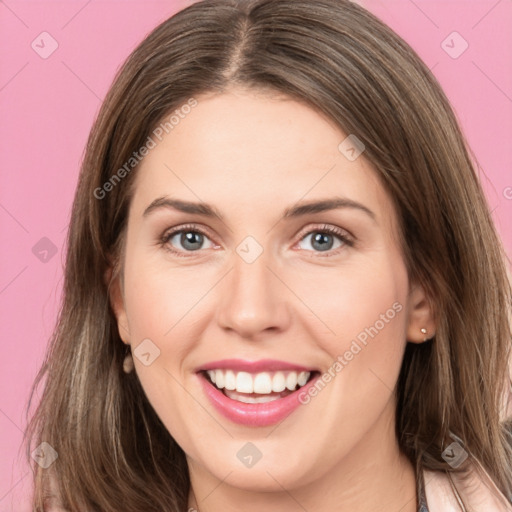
x=263 y=365
x=254 y=415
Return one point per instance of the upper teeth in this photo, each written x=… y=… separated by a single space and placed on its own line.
x=265 y=382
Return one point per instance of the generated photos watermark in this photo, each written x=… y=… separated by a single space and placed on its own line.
x=355 y=348
x=156 y=136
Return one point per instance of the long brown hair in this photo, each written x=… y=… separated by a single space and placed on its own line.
x=113 y=451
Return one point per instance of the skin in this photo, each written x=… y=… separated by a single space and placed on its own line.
x=251 y=156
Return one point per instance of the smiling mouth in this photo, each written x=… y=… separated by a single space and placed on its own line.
x=254 y=388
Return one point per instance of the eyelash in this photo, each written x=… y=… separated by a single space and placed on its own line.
x=166 y=237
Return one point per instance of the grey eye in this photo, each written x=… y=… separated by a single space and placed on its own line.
x=189 y=240
x=321 y=241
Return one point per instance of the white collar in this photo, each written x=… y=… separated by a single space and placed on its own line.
x=473 y=491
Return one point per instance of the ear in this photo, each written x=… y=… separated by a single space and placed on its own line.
x=421 y=324
x=116 y=298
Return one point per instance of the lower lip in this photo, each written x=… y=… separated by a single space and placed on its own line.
x=254 y=415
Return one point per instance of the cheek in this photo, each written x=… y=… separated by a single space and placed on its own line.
x=362 y=313
x=162 y=305
x=367 y=312
x=162 y=298
x=345 y=301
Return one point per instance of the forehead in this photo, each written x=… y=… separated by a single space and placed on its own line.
x=241 y=149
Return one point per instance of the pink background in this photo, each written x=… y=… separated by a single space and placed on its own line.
x=47 y=107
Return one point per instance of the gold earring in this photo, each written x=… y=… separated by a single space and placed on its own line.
x=128 y=363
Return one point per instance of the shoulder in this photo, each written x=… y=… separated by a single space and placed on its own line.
x=473 y=491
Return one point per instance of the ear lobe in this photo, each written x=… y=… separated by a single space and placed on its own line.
x=421 y=324
x=116 y=300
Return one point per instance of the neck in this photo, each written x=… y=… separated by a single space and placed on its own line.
x=374 y=475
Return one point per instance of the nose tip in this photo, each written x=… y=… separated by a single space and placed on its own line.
x=252 y=300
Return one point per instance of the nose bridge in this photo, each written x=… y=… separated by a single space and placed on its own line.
x=253 y=299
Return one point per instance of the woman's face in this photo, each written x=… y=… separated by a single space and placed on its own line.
x=257 y=284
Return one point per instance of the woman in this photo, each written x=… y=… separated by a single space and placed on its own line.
x=283 y=287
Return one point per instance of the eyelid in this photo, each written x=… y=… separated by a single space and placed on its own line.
x=322 y=226
x=187 y=227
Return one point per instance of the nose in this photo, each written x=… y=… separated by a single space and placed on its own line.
x=253 y=299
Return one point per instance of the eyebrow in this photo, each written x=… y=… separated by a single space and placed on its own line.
x=300 y=209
